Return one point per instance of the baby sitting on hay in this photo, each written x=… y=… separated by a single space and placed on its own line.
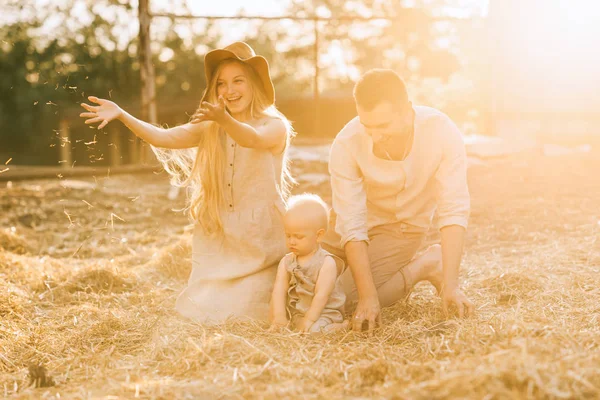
x=307 y=293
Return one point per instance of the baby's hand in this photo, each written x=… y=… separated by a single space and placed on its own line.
x=277 y=328
x=279 y=322
x=305 y=325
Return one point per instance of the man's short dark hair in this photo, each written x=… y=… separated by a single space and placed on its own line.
x=380 y=85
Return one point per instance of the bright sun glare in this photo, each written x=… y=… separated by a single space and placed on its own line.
x=548 y=46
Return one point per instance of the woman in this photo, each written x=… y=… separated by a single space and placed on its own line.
x=239 y=181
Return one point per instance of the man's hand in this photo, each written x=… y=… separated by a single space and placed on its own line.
x=453 y=295
x=368 y=309
x=453 y=240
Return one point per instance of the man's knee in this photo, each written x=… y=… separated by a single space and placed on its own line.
x=434 y=253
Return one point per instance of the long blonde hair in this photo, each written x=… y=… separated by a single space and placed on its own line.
x=201 y=170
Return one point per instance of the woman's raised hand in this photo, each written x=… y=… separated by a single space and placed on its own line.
x=105 y=112
x=210 y=112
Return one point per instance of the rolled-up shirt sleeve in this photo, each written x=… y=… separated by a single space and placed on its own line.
x=348 y=194
x=451 y=188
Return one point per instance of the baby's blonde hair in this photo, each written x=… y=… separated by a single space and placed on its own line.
x=310 y=202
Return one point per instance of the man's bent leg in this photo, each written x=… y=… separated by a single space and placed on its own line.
x=394 y=267
x=428 y=266
x=391 y=248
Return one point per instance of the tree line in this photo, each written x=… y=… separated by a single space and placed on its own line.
x=45 y=75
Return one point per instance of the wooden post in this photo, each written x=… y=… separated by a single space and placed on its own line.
x=316 y=114
x=148 y=94
x=66 y=154
x=114 y=145
x=133 y=148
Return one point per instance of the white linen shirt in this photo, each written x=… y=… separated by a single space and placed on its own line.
x=369 y=191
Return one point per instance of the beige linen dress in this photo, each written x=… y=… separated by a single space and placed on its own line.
x=233 y=274
x=303 y=279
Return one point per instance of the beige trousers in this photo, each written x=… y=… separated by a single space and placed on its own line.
x=391 y=248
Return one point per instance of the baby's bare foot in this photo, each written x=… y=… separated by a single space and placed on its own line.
x=335 y=327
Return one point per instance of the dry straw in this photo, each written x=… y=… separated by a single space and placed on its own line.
x=93 y=303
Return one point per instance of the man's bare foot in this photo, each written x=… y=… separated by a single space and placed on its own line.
x=432 y=266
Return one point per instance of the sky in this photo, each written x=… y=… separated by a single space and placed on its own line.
x=230 y=30
x=229 y=7
x=214 y=7
x=258 y=7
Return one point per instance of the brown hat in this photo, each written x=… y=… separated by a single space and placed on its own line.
x=243 y=52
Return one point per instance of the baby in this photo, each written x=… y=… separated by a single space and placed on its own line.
x=307 y=287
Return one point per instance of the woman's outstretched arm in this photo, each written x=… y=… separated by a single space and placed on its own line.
x=179 y=137
x=270 y=136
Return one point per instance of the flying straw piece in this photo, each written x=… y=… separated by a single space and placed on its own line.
x=112 y=224
x=92 y=142
x=70 y=220
x=79 y=248
x=119 y=218
x=9 y=160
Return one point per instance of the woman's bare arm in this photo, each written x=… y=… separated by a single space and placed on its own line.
x=272 y=135
x=179 y=137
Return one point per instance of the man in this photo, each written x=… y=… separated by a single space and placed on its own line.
x=391 y=167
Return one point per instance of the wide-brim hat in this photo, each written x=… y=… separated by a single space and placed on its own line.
x=243 y=52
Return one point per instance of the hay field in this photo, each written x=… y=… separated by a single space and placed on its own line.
x=89 y=272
